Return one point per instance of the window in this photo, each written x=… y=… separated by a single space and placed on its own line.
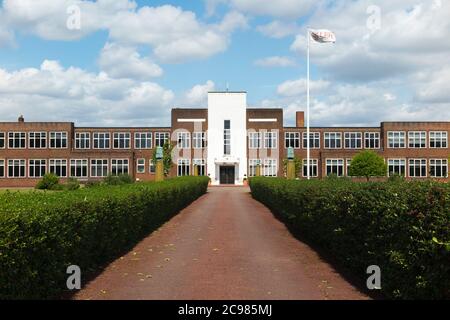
x=101 y=140
x=184 y=167
x=438 y=139
x=16 y=140
x=2 y=168
x=142 y=140
x=184 y=140
x=353 y=140
x=79 y=168
x=396 y=167
x=227 y=137
x=372 y=140
x=270 y=140
x=396 y=139
x=119 y=167
x=140 y=166
x=151 y=167
x=121 y=140
x=201 y=164
x=417 y=168
x=333 y=140
x=314 y=140
x=36 y=168
x=252 y=164
x=347 y=167
x=199 y=140
x=439 y=168
x=417 y=139
x=58 y=140
x=335 y=167
x=313 y=168
x=2 y=140
x=82 y=140
x=58 y=167
x=99 y=168
x=292 y=140
x=254 y=139
x=270 y=168
x=161 y=138
x=37 y=140
x=16 y=168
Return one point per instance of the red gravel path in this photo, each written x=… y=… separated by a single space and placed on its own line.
x=224 y=246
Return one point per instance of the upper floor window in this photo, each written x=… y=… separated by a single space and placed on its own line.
x=142 y=140
x=58 y=140
x=314 y=140
x=37 y=140
x=372 y=140
x=292 y=140
x=16 y=168
x=333 y=140
x=122 y=140
x=396 y=167
x=396 y=139
x=254 y=139
x=199 y=140
x=161 y=138
x=418 y=168
x=270 y=140
x=417 y=139
x=353 y=140
x=101 y=140
x=82 y=140
x=184 y=140
x=227 y=137
x=2 y=140
x=438 y=139
x=17 y=140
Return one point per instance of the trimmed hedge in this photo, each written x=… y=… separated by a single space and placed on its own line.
x=41 y=234
x=403 y=227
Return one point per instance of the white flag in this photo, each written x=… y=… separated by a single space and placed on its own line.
x=323 y=36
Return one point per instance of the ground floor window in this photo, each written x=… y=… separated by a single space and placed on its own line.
x=99 y=168
x=201 y=164
x=119 y=167
x=140 y=166
x=396 y=167
x=270 y=168
x=313 y=168
x=2 y=168
x=438 y=168
x=347 y=167
x=151 y=167
x=58 y=167
x=16 y=168
x=417 y=168
x=79 y=168
x=335 y=167
x=252 y=164
x=184 y=167
x=37 y=168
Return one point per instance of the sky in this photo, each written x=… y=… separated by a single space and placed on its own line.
x=127 y=63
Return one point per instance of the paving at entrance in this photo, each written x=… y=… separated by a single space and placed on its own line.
x=223 y=246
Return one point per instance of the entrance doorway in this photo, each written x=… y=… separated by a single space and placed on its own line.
x=227 y=175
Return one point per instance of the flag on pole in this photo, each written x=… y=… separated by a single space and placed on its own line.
x=323 y=36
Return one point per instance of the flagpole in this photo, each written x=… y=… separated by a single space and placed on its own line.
x=307 y=115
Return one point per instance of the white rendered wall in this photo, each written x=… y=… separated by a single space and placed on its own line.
x=227 y=106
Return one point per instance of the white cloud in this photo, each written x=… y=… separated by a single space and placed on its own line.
x=197 y=96
x=125 y=62
x=298 y=87
x=279 y=8
x=275 y=61
x=278 y=29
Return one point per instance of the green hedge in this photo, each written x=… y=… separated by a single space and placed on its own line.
x=41 y=234
x=402 y=227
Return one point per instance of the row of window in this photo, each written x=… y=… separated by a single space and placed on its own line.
x=354 y=140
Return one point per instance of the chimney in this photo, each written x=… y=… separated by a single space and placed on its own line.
x=300 y=117
x=21 y=119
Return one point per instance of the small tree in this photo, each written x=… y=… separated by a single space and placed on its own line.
x=167 y=157
x=367 y=164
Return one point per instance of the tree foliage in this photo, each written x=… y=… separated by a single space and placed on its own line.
x=367 y=164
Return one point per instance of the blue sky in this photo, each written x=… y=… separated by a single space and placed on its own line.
x=131 y=61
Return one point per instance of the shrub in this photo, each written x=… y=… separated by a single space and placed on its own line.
x=50 y=181
x=113 y=180
x=72 y=184
x=367 y=164
x=44 y=233
x=402 y=227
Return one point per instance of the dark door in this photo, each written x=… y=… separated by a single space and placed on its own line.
x=226 y=175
